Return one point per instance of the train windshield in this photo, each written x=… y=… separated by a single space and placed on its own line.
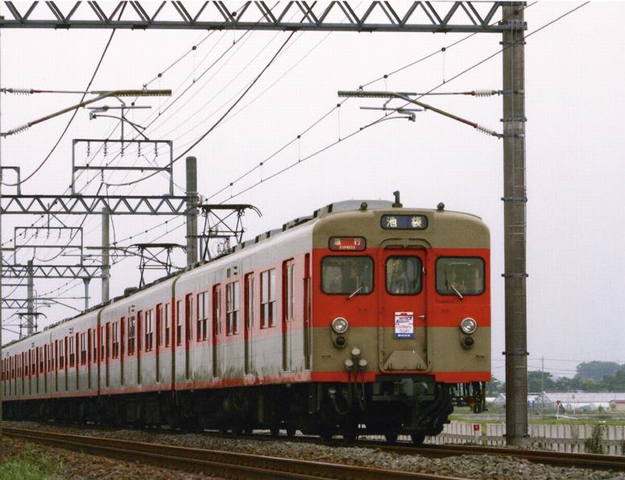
x=460 y=276
x=403 y=275
x=347 y=275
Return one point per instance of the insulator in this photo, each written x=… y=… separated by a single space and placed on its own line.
x=485 y=93
x=487 y=131
x=16 y=130
x=19 y=91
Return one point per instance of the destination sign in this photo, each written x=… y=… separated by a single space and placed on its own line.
x=404 y=222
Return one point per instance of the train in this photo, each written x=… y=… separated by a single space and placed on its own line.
x=364 y=318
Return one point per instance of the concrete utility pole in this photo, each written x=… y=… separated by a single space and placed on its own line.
x=30 y=295
x=192 y=208
x=106 y=254
x=515 y=200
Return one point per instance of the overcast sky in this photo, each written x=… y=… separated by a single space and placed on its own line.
x=290 y=123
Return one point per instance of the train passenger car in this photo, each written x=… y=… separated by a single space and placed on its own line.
x=366 y=317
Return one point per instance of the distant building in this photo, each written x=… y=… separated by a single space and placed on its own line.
x=582 y=401
x=571 y=401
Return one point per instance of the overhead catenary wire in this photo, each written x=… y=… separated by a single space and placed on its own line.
x=256 y=167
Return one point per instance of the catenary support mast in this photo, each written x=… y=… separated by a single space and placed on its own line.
x=515 y=199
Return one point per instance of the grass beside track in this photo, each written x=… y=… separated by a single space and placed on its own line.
x=27 y=464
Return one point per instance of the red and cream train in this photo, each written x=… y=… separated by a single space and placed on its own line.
x=363 y=318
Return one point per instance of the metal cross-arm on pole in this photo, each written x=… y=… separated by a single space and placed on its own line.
x=406 y=98
x=101 y=95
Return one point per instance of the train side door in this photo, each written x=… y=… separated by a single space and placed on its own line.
x=288 y=311
x=248 y=320
x=402 y=320
x=216 y=330
x=188 y=326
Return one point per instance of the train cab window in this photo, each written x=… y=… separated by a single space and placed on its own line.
x=460 y=276
x=403 y=275
x=347 y=275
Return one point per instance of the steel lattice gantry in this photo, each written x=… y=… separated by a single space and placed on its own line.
x=51 y=271
x=257 y=15
x=93 y=204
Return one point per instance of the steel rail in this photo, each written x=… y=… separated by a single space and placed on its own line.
x=579 y=460
x=213 y=462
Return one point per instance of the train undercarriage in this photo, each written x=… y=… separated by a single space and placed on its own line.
x=394 y=405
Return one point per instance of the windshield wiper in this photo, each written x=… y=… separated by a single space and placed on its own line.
x=362 y=285
x=457 y=292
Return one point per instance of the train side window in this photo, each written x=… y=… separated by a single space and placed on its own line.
x=167 y=319
x=72 y=353
x=268 y=298
x=202 y=316
x=159 y=325
x=232 y=308
x=61 y=345
x=347 y=275
x=83 y=348
x=116 y=339
x=460 y=276
x=94 y=343
x=41 y=360
x=131 y=335
x=179 y=311
x=403 y=275
x=149 y=330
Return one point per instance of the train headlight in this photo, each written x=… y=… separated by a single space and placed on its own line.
x=468 y=326
x=340 y=325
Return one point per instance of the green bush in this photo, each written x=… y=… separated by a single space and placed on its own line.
x=594 y=444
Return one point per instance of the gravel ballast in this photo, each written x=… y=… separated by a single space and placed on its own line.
x=82 y=466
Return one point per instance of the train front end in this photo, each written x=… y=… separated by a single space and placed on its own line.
x=401 y=317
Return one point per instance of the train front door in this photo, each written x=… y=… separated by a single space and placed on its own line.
x=403 y=316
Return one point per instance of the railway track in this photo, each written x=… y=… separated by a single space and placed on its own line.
x=212 y=462
x=246 y=465
x=579 y=460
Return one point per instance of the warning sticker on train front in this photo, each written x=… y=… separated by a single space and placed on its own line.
x=404 y=325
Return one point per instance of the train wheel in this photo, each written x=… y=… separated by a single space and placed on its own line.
x=290 y=431
x=417 y=438
x=350 y=437
x=275 y=431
